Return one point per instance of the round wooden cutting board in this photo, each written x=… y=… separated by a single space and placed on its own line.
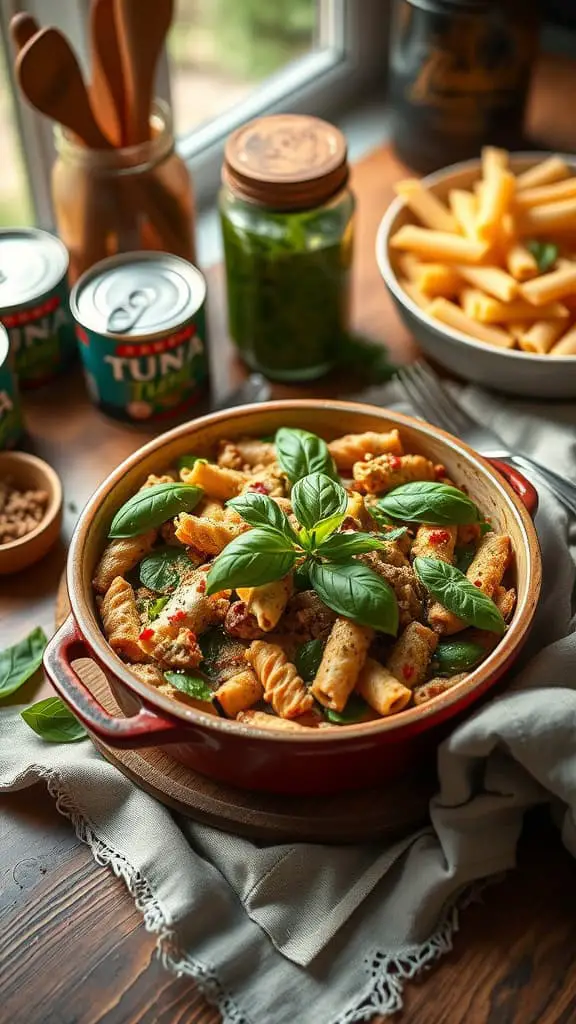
x=346 y=818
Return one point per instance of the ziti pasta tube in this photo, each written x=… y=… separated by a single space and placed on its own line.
x=547 y=171
x=546 y=194
x=492 y=280
x=427 y=207
x=381 y=690
x=521 y=264
x=566 y=346
x=540 y=336
x=489 y=311
x=550 y=287
x=464 y=206
x=342 y=661
x=438 y=245
x=451 y=315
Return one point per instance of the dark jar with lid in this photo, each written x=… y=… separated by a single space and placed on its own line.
x=459 y=77
x=287 y=223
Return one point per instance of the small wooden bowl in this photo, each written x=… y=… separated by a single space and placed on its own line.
x=27 y=473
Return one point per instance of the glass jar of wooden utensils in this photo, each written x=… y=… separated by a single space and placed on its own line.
x=108 y=201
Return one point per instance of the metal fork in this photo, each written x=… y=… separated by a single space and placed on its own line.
x=429 y=397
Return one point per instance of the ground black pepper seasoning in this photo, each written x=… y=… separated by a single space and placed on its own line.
x=459 y=77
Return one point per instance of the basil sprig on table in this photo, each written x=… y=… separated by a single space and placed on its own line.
x=449 y=586
x=424 y=501
x=300 y=453
x=272 y=549
x=152 y=507
x=545 y=254
x=193 y=686
x=159 y=570
x=53 y=721
x=19 y=662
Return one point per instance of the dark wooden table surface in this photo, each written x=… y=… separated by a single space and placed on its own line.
x=72 y=946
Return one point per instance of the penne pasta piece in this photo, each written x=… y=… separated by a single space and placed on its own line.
x=209 y=536
x=387 y=471
x=521 y=264
x=550 y=287
x=409 y=264
x=427 y=207
x=434 y=687
x=267 y=602
x=566 y=346
x=540 y=336
x=451 y=315
x=239 y=692
x=438 y=245
x=435 y=542
x=493 y=160
x=494 y=202
x=415 y=294
x=546 y=194
x=410 y=656
x=437 y=279
x=351 y=448
x=492 y=280
x=490 y=311
x=381 y=690
x=464 y=206
x=216 y=481
x=548 y=218
x=342 y=662
x=485 y=572
x=546 y=172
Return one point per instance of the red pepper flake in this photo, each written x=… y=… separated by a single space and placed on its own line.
x=407 y=672
x=259 y=488
x=201 y=587
x=146 y=634
x=439 y=537
x=394 y=462
x=178 y=616
x=439 y=471
x=477 y=583
x=191 y=637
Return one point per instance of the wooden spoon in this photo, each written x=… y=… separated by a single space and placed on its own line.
x=51 y=79
x=22 y=27
x=107 y=87
x=142 y=29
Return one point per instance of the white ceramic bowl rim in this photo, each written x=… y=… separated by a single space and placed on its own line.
x=394 y=285
x=233 y=419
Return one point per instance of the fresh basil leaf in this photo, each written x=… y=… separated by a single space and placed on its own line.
x=22 y=660
x=268 y=438
x=250 y=560
x=355 y=710
x=464 y=556
x=449 y=586
x=484 y=528
x=423 y=501
x=323 y=529
x=358 y=593
x=189 y=461
x=53 y=721
x=453 y=656
x=155 y=607
x=159 y=570
x=400 y=531
x=193 y=686
x=340 y=547
x=379 y=516
x=152 y=507
x=260 y=510
x=301 y=577
x=300 y=453
x=545 y=254
x=316 y=498
x=308 y=658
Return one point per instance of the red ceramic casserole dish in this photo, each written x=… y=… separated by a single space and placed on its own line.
x=328 y=760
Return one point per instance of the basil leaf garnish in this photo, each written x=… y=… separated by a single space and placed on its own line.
x=260 y=510
x=19 y=662
x=340 y=547
x=257 y=557
x=53 y=721
x=159 y=570
x=379 y=516
x=358 y=593
x=449 y=586
x=307 y=659
x=423 y=501
x=302 y=577
x=316 y=498
x=300 y=453
x=155 y=607
x=545 y=254
x=326 y=527
x=355 y=711
x=152 y=507
x=189 y=461
x=395 y=534
x=453 y=656
x=193 y=686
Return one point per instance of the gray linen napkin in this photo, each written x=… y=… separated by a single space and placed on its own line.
x=328 y=935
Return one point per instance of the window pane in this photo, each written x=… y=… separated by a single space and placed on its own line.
x=220 y=50
x=15 y=203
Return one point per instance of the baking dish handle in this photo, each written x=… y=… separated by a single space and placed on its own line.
x=520 y=485
x=142 y=730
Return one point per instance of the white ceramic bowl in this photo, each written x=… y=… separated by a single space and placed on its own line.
x=515 y=372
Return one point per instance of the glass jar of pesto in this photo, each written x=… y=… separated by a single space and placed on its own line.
x=287 y=223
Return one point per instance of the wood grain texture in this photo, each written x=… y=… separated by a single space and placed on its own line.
x=72 y=946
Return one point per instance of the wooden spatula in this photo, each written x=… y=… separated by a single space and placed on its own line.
x=107 y=87
x=22 y=27
x=142 y=27
x=51 y=79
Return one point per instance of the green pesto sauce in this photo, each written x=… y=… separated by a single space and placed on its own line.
x=288 y=278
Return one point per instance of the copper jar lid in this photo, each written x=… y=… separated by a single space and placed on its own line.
x=286 y=161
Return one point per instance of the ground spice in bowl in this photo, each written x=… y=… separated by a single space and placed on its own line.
x=21 y=511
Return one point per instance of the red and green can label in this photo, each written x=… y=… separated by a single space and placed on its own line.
x=10 y=414
x=42 y=337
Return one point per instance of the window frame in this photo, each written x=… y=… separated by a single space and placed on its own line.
x=351 y=63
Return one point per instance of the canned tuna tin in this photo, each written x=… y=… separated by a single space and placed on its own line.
x=10 y=416
x=141 y=326
x=34 y=304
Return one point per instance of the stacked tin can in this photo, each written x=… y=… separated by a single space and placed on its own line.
x=37 y=340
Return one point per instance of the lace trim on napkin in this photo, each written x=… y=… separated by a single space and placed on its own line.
x=388 y=972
